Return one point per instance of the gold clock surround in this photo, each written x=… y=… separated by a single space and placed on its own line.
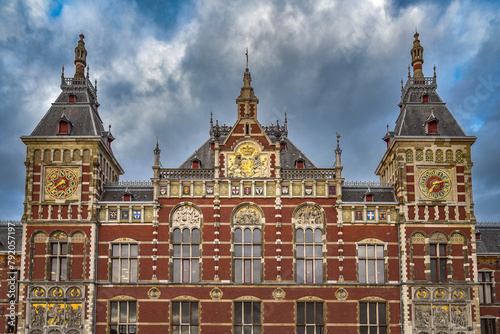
x=61 y=183
x=435 y=184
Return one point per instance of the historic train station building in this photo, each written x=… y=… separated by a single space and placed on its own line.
x=248 y=235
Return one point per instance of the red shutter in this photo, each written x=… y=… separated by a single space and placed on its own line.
x=71 y=99
x=63 y=127
x=300 y=164
x=283 y=146
x=425 y=99
x=126 y=197
x=196 y=164
x=369 y=198
x=432 y=128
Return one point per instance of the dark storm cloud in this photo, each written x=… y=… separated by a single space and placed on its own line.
x=163 y=67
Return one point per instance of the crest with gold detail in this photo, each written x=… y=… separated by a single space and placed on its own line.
x=247 y=162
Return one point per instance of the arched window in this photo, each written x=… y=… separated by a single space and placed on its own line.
x=439 y=155
x=186 y=255
x=247 y=255
x=308 y=256
x=124 y=266
x=409 y=156
x=429 y=156
x=419 y=155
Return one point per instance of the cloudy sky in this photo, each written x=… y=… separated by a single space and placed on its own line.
x=333 y=66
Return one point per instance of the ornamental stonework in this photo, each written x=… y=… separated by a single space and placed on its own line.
x=309 y=215
x=186 y=216
x=247 y=215
x=247 y=162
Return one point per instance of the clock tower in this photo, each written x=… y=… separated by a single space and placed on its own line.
x=428 y=161
x=68 y=161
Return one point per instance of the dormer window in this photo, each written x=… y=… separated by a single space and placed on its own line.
x=299 y=164
x=212 y=145
x=425 y=98
x=127 y=197
x=369 y=198
x=72 y=98
x=478 y=235
x=195 y=164
x=283 y=146
x=432 y=128
x=64 y=125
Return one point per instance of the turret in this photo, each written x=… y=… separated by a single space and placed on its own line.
x=247 y=101
x=417 y=57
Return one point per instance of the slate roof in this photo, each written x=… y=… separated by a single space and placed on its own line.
x=288 y=157
x=4 y=235
x=139 y=193
x=489 y=242
x=357 y=194
x=82 y=114
x=412 y=120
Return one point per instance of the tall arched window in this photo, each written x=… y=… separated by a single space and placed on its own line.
x=308 y=255
x=186 y=255
x=247 y=255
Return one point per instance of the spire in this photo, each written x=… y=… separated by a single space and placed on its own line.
x=157 y=152
x=247 y=101
x=80 y=58
x=417 y=57
x=338 y=156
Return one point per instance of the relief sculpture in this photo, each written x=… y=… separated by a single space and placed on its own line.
x=186 y=216
x=37 y=316
x=440 y=317
x=247 y=216
x=423 y=316
x=309 y=215
x=247 y=162
x=55 y=315
x=459 y=316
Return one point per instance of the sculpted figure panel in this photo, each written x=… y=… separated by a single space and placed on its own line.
x=247 y=216
x=186 y=215
x=310 y=215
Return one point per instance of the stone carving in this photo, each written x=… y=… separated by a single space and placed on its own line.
x=309 y=215
x=186 y=215
x=36 y=331
x=56 y=292
x=459 y=316
x=73 y=315
x=247 y=216
x=422 y=316
x=55 y=315
x=37 y=315
x=38 y=292
x=247 y=162
x=440 y=316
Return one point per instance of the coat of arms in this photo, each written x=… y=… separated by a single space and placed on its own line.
x=247 y=162
x=236 y=190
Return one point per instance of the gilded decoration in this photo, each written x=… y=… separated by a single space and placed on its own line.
x=418 y=238
x=297 y=190
x=216 y=294
x=437 y=308
x=247 y=162
x=341 y=294
x=60 y=310
x=102 y=215
x=309 y=215
x=154 y=293
x=271 y=189
x=186 y=215
x=279 y=294
x=223 y=189
x=346 y=215
x=320 y=190
x=148 y=214
x=457 y=238
x=198 y=190
x=247 y=215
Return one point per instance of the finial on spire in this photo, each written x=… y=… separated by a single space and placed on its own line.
x=434 y=69
x=246 y=54
x=62 y=71
x=95 y=84
x=109 y=126
x=338 y=157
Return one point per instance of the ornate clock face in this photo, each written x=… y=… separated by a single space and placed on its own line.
x=61 y=183
x=435 y=184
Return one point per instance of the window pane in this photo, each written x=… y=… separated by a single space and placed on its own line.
x=299 y=251
x=132 y=312
x=309 y=251
x=380 y=251
x=194 y=329
x=123 y=312
x=370 y=251
x=487 y=290
x=196 y=236
x=237 y=235
x=237 y=271
x=64 y=249
x=116 y=250
x=380 y=271
x=133 y=250
x=301 y=330
x=481 y=294
x=442 y=250
x=299 y=235
x=318 y=271
x=256 y=235
x=177 y=270
x=124 y=270
x=256 y=251
x=248 y=272
x=309 y=235
x=238 y=313
x=133 y=270
x=185 y=312
x=381 y=314
x=318 y=251
x=176 y=313
x=63 y=269
x=371 y=271
x=309 y=313
x=256 y=313
x=55 y=249
x=309 y=271
x=442 y=270
x=362 y=271
x=195 y=275
x=238 y=250
x=124 y=250
x=115 y=270
x=372 y=312
x=432 y=250
x=195 y=251
x=247 y=235
x=185 y=271
x=256 y=271
x=194 y=313
x=186 y=250
x=317 y=235
x=362 y=313
x=300 y=271
x=113 y=329
x=114 y=312
x=319 y=313
x=361 y=251
x=433 y=270
x=184 y=329
x=177 y=235
x=300 y=313
x=177 y=250
x=247 y=313
x=248 y=250
x=186 y=235
x=238 y=329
